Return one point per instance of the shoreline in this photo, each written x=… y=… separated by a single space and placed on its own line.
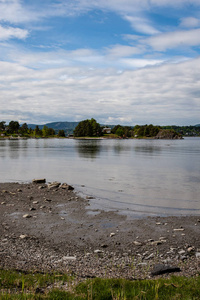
x=53 y=229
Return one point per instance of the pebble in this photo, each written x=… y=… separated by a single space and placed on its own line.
x=156 y=243
x=112 y=234
x=181 y=252
x=69 y=258
x=98 y=251
x=190 y=249
x=23 y=236
x=150 y=256
x=27 y=216
x=137 y=243
x=197 y=254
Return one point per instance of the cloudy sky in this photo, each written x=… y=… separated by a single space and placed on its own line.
x=119 y=61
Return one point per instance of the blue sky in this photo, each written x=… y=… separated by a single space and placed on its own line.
x=119 y=61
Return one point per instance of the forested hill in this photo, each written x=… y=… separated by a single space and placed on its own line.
x=68 y=127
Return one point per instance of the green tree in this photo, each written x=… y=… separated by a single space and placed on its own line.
x=61 y=133
x=87 y=128
x=24 y=128
x=2 y=125
x=45 y=131
x=37 y=131
x=13 y=127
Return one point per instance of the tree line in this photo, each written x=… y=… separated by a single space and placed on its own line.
x=14 y=128
x=90 y=128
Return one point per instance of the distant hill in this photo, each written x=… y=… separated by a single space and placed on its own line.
x=68 y=127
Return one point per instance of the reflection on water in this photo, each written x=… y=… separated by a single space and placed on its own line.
x=140 y=177
x=88 y=148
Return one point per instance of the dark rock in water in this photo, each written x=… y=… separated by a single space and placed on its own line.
x=41 y=180
x=162 y=269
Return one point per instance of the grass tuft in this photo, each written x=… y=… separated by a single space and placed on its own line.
x=20 y=285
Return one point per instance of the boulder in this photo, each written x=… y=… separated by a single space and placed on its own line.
x=54 y=185
x=162 y=269
x=66 y=186
x=41 y=180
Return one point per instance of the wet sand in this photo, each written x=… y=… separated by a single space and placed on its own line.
x=53 y=229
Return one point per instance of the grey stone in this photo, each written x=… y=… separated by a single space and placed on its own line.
x=40 y=180
x=69 y=258
x=137 y=243
x=54 y=185
x=162 y=269
x=27 y=216
x=66 y=186
x=197 y=254
x=178 y=229
x=181 y=252
x=150 y=256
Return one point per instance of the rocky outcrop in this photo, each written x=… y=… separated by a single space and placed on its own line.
x=168 y=134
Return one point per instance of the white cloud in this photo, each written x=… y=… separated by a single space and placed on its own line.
x=7 y=33
x=190 y=22
x=123 y=51
x=14 y=11
x=162 y=42
x=158 y=94
x=141 y=25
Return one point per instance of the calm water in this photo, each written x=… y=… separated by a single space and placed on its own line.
x=138 y=177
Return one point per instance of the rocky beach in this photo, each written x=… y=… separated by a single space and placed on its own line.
x=47 y=227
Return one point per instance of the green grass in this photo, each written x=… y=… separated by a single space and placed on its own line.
x=19 y=285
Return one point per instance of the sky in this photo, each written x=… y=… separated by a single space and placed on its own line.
x=122 y=62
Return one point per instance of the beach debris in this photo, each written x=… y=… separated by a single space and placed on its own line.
x=162 y=269
x=178 y=229
x=40 y=180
